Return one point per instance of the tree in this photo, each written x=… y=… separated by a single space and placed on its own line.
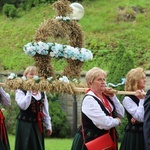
x=121 y=63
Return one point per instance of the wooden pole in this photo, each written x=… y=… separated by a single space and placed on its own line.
x=83 y=90
x=2 y=84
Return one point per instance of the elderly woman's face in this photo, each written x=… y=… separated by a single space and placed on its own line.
x=98 y=83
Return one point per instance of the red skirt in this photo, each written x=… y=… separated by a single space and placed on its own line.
x=4 y=143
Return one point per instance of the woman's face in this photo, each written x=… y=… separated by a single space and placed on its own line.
x=98 y=84
x=142 y=82
x=30 y=74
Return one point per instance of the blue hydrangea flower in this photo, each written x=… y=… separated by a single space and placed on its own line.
x=58 y=50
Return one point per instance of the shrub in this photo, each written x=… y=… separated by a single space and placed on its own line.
x=9 y=10
x=10 y=114
x=121 y=63
x=61 y=128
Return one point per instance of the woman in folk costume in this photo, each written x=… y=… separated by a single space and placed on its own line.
x=4 y=100
x=146 y=124
x=101 y=111
x=33 y=112
x=133 y=137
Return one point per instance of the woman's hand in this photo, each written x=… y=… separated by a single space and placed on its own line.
x=49 y=132
x=139 y=94
x=119 y=120
x=133 y=120
x=2 y=84
x=108 y=92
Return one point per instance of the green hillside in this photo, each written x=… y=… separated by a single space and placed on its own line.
x=105 y=23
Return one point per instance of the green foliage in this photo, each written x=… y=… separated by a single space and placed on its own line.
x=120 y=129
x=121 y=63
x=10 y=115
x=9 y=10
x=36 y=2
x=50 y=1
x=60 y=126
x=29 y=4
x=102 y=33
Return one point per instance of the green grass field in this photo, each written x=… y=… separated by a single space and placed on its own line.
x=100 y=25
x=50 y=143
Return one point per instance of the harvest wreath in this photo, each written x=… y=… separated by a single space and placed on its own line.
x=62 y=84
x=61 y=27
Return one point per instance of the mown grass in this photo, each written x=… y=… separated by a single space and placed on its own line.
x=50 y=143
x=99 y=24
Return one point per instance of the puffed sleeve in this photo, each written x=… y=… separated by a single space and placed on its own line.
x=118 y=106
x=23 y=99
x=47 y=118
x=137 y=111
x=4 y=98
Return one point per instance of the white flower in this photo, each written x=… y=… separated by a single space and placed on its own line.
x=58 y=17
x=24 y=78
x=12 y=76
x=75 y=80
x=52 y=54
x=63 y=18
x=50 y=79
x=64 y=79
x=66 y=18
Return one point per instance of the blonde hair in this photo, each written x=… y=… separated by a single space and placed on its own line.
x=30 y=69
x=94 y=72
x=132 y=79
